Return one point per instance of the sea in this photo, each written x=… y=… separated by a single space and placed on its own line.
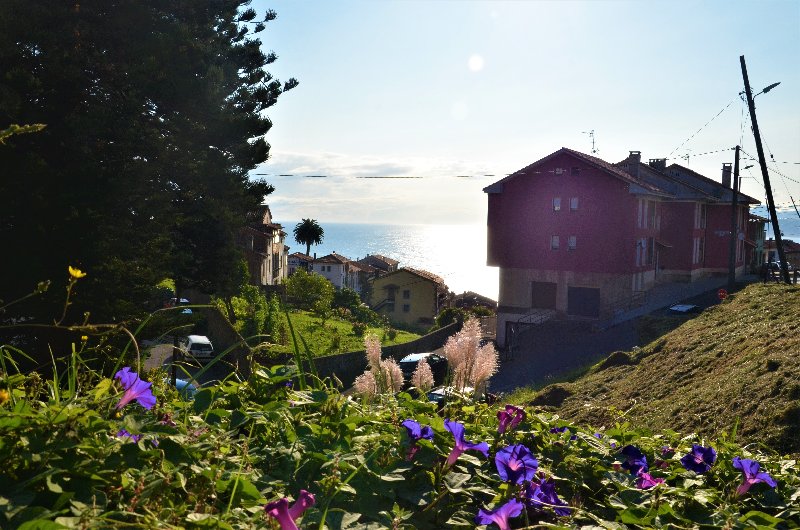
x=457 y=253
x=788 y=221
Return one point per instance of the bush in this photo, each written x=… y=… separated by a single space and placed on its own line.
x=310 y=290
x=346 y=298
x=449 y=315
x=359 y=328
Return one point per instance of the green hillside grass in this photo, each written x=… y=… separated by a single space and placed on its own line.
x=735 y=366
x=334 y=335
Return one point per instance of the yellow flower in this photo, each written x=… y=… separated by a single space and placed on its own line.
x=84 y=338
x=76 y=273
x=4 y=396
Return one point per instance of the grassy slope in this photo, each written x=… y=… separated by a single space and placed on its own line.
x=738 y=361
x=320 y=339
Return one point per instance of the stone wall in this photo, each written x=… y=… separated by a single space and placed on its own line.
x=347 y=366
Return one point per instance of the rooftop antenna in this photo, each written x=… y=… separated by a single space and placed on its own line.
x=591 y=135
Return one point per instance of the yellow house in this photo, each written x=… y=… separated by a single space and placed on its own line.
x=408 y=296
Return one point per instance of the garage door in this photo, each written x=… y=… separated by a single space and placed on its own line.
x=583 y=301
x=543 y=295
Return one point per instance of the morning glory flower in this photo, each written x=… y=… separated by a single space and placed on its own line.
x=645 y=481
x=501 y=515
x=135 y=388
x=509 y=418
x=752 y=475
x=543 y=494
x=457 y=429
x=700 y=459
x=416 y=432
x=516 y=464
x=285 y=514
x=125 y=434
x=635 y=460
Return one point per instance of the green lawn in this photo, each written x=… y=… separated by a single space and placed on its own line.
x=334 y=336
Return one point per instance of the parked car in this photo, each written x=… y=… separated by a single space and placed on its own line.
x=186 y=389
x=775 y=266
x=199 y=347
x=438 y=364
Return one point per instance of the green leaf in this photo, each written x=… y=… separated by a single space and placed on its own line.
x=41 y=524
x=202 y=400
x=760 y=518
x=52 y=486
x=454 y=481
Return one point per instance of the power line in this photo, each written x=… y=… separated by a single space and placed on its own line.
x=703 y=127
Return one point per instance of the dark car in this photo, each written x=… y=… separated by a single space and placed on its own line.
x=775 y=266
x=438 y=364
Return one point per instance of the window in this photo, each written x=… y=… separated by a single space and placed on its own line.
x=573 y=203
x=572 y=243
x=639 y=214
x=406 y=308
x=559 y=171
x=554 y=243
x=651 y=214
x=651 y=251
x=406 y=294
x=575 y=171
x=556 y=204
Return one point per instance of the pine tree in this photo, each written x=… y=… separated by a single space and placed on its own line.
x=154 y=114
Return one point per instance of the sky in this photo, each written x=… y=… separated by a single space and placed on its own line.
x=442 y=98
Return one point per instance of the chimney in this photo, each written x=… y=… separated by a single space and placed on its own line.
x=659 y=164
x=726 y=175
x=634 y=159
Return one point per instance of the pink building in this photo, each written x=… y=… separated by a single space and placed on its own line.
x=577 y=237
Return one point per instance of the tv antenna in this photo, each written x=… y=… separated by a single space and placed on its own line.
x=591 y=135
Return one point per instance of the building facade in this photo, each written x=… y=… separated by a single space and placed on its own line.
x=579 y=237
x=263 y=245
x=409 y=296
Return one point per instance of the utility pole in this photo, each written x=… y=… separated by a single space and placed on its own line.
x=734 y=227
x=764 y=173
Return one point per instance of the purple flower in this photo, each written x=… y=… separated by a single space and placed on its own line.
x=543 y=493
x=635 y=460
x=645 y=481
x=559 y=429
x=501 y=515
x=135 y=388
x=752 y=475
x=285 y=514
x=416 y=432
x=700 y=459
x=125 y=434
x=509 y=418
x=462 y=445
x=516 y=464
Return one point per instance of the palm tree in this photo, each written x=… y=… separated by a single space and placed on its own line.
x=308 y=233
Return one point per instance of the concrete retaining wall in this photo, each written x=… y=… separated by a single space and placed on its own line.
x=347 y=366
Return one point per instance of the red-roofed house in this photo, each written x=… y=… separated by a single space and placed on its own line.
x=339 y=270
x=579 y=237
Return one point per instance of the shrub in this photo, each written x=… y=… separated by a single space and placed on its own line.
x=309 y=290
x=359 y=328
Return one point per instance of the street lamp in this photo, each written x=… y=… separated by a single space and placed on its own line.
x=764 y=173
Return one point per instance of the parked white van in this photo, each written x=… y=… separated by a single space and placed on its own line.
x=199 y=347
